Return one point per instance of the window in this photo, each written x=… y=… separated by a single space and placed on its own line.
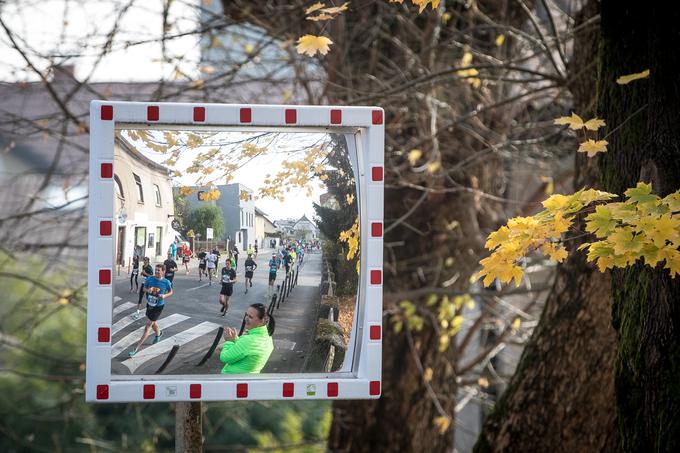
x=140 y=191
x=119 y=188
x=158 y=194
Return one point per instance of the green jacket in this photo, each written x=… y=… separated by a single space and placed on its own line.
x=249 y=353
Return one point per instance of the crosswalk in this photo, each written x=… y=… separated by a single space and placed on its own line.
x=126 y=331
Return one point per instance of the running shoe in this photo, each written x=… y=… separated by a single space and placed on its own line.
x=157 y=338
x=133 y=352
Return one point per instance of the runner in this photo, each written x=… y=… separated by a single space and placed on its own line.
x=210 y=260
x=201 y=264
x=256 y=249
x=273 y=267
x=186 y=257
x=235 y=255
x=170 y=268
x=250 y=250
x=287 y=260
x=134 y=274
x=147 y=271
x=250 y=266
x=228 y=280
x=157 y=289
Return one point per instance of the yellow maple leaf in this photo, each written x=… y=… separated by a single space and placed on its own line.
x=594 y=124
x=574 y=121
x=623 y=80
x=322 y=16
x=673 y=262
x=625 y=242
x=310 y=45
x=556 y=202
x=433 y=166
x=500 y=39
x=560 y=224
x=666 y=228
x=414 y=155
x=483 y=382
x=422 y=4
x=314 y=7
x=336 y=9
x=442 y=423
x=592 y=147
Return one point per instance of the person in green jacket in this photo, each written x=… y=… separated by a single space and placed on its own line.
x=249 y=353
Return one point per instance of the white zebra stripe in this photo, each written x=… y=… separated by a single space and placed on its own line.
x=134 y=336
x=161 y=347
x=122 y=307
x=124 y=322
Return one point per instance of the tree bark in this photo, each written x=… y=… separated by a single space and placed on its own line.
x=646 y=314
x=561 y=397
x=188 y=427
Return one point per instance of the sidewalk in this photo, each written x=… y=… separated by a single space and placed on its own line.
x=296 y=320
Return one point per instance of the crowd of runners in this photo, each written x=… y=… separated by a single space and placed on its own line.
x=248 y=353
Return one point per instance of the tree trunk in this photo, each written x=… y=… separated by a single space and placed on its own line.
x=561 y=397
x=646 y=314
x=188 y=427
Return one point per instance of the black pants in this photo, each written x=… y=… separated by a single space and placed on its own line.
x=134 y=277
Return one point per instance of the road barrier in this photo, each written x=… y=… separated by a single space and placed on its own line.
x=168 y=359
x=205 y=358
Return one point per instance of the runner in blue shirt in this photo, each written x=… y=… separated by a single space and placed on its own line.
x=157 y=288
x=273 y=267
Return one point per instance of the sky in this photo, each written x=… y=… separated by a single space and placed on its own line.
x=281 y=147
x=76 y=30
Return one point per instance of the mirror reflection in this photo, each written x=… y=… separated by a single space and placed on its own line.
x=236 y=252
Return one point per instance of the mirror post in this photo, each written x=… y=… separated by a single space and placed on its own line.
x=189 y=427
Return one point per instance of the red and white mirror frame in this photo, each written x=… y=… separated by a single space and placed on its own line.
x=364 y=381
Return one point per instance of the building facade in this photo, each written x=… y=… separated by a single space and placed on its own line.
x=265 y=231
x=144 y=206
x=238 y=213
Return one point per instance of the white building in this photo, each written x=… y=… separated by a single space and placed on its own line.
x=144 y=205
x=265 y=230
x=305 y=229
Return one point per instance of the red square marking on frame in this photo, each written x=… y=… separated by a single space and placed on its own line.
x=376 y=277
x=102 y=392
x=377 y=116
x=149 y=391
x=195 y=391
x=105 y=276
x=152 y=113
x=376 y=333
x=332 y=389
x=374 y=388
x=377 y=173
x=106 y=112
x=103 y=334
x=105 y=228
x=241 y=390
x=199 y=114
x=336 y=116
x=288 y=389
x=376 y=229
x=291 y=116
x=246 y=115
x=106 y=171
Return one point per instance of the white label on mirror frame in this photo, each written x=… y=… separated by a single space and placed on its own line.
x=364 y=380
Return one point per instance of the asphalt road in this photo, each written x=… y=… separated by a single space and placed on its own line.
x=191 y=318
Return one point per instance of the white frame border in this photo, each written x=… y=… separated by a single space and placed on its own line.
x=365 y=379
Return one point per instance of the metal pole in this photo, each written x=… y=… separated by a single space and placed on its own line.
x=188 y=427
